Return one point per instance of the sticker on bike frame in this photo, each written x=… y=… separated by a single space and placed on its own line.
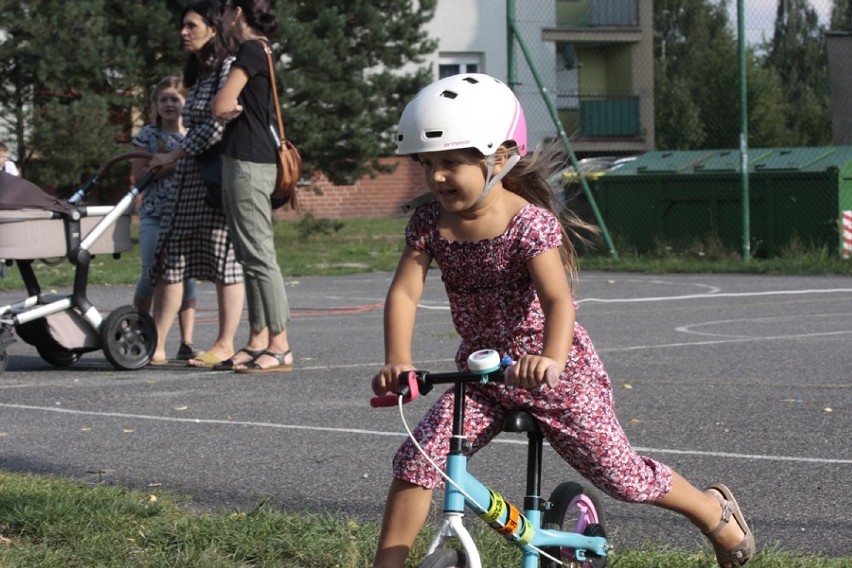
x=495 y=508
x=527 y=531
x=513 y=520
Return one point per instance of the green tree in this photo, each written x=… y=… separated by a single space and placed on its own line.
x=797 y=53
x=59 y=64
x=348 y=76
x=697 y=78
x=841 y=15
x=767 y=109
x=150 y=30
x=76 y=76
x=695 y=72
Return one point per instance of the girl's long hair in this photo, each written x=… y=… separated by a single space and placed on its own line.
x=214 y=51
x=531 y=178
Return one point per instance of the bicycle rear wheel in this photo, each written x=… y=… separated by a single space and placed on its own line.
x=444 y=558
x=576 y=509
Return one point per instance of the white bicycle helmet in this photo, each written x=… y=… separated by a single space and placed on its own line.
x=471 y=110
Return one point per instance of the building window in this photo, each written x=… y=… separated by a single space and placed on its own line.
x=453 y=64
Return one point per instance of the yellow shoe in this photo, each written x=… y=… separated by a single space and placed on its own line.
x=204 y=360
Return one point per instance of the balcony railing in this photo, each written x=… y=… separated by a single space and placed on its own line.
x=585 y=13
x=600 y=116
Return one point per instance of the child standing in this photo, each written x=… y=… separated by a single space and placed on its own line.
x=509 y=269
x=164 y=134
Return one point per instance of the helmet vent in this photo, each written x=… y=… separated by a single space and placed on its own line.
x=471 y=80
x=434 y=133
x=448 y=94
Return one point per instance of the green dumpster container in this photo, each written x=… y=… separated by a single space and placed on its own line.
x=680 y=198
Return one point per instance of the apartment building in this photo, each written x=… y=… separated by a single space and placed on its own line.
x=594 y=59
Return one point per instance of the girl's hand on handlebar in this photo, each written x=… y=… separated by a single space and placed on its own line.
x=532 y=370
x=387 y=380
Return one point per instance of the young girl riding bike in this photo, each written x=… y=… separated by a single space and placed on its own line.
x=509 y=268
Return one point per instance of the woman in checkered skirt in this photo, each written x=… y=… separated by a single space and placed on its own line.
x=194 y=241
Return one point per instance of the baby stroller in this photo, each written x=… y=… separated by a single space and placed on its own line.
x=34 y=225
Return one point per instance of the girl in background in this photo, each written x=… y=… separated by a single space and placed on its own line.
x=163 y=134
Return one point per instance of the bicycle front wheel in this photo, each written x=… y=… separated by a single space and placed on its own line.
x=578 y=510
x=444 y=558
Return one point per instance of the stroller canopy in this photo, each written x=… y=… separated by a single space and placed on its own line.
x=17 y=193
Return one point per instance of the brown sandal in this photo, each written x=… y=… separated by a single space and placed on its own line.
x=745 y=550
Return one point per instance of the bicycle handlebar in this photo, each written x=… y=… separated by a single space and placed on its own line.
x=414 y=383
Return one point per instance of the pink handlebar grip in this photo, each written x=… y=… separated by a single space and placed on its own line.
x=391 y=399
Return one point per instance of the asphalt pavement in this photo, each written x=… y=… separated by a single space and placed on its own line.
x=739 y=379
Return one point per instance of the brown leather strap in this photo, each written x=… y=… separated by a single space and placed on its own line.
x=268 y=51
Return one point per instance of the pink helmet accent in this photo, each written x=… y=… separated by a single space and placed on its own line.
x=470 y=110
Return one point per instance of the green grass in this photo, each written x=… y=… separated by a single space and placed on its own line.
x=52 y=522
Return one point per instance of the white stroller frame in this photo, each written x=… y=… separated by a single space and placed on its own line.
x=62 y=327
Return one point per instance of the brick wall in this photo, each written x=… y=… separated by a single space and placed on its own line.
x=377 y=197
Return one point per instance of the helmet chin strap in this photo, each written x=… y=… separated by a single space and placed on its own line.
x=490 y=179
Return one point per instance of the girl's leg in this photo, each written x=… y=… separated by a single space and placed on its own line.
x=406 y=510
x=579 y=409
x=167 y=300
x=703 y=510
x=186 y=315
x=407 y=505
x=149 y=233
x=143 y=304
x=186 y=321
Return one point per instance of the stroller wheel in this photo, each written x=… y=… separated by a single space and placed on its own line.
x=128 y=337
x=58 y=357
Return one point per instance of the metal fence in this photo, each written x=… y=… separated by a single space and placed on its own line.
x=588 y=72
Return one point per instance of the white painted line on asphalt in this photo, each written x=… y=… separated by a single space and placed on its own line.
x=394 y=434
x=707 y=295
x=720 y=341
x=797 y=319
x=713 y=296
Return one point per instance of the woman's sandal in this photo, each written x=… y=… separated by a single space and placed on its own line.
x=745 y=550
x=229 y=364
x=281 y=367
x=204 y=361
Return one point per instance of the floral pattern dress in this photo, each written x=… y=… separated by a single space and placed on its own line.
x=494 y=305
x=156 y=197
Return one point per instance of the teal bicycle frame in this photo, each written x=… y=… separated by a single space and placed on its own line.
x=521 y=528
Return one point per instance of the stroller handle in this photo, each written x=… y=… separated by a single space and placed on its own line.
x=90 y=183
x=120 y=158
